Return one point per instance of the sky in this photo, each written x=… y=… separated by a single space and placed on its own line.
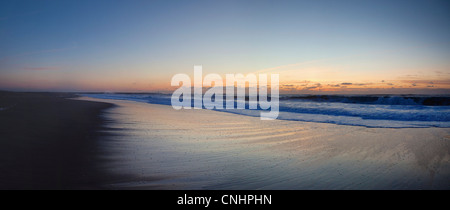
x=361 y=46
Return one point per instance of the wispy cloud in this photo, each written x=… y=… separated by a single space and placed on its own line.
x=427 y=82
x=361 y=84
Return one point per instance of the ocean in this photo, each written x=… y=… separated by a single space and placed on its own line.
x=374 y=111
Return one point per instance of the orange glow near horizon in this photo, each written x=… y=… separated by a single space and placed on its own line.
x=293 y=80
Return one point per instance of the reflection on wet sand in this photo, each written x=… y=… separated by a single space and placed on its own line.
x=161 y=148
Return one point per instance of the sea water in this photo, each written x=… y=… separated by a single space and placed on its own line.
x=377 y=111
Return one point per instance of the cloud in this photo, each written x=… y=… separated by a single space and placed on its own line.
x=309 y=88
x=346 y=83
x=427 y=82
x=361 y=84
x=301 y=82
x=411 y=75
x=316 y=85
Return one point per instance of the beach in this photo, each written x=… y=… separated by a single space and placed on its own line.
x=156 y=147
x=48 y=141
x=225 y=95
x=61 y=141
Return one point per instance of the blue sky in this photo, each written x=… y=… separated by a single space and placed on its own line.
x=140 y=45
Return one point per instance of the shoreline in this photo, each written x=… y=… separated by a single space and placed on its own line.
x=62 y=141
x=163 y=148
x=49 y=141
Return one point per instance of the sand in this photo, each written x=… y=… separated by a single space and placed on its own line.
x=155 y=147
x=48 y=141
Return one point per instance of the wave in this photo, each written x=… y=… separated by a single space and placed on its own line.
x=375 y=99
x=368 y=111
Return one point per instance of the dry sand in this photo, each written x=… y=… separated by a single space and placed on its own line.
x=157 y=147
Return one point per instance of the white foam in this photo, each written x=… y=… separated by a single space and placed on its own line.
x=356 y=114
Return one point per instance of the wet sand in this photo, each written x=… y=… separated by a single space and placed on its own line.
x=155 y=147
x=48 y=141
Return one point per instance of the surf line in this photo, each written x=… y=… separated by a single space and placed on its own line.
x=235 y=84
